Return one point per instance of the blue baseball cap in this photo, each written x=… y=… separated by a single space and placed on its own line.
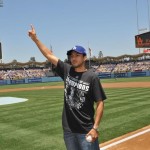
x=78 y=49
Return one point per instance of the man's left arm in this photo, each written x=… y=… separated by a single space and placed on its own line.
x=98 y=116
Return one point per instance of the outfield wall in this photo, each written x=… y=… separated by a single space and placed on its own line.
x=58 y=79
x=30 y=80
x=124 y=75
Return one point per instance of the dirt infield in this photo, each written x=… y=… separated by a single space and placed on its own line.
x=105 y=85
x=126 y=85
x=137 y=140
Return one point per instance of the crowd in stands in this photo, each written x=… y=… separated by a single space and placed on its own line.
x=106 y=68
x=124 y=67
x=103 y=68
x=140 y=66
x=21 y=74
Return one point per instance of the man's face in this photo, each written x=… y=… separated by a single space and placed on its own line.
x=77 y=59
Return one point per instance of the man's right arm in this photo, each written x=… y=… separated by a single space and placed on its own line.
x=44 y=50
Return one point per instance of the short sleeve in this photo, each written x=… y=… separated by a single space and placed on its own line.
x=62 y=69
x=97 y=90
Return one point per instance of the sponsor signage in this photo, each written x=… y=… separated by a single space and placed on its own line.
x=21 y=81
x=3 y=82
x=146 y=51
x=33 y=80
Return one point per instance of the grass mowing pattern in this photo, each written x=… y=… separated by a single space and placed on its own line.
x=126 y=110
x=32 y=125
x=36 y=124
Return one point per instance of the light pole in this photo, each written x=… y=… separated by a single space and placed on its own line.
x=1 y=3
x=137 y=16
x=148 y=14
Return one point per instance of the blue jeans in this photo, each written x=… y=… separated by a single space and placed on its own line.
x=76 y=141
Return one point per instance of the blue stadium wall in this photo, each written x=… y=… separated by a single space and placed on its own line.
x=124 y=75
x=58 y=79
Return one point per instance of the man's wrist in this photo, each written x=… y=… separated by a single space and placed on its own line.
x=34 y=37
x=95 y=128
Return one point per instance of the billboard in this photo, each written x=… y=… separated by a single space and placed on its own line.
x=142 y=40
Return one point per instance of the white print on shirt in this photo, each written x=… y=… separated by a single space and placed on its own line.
x=75 y=92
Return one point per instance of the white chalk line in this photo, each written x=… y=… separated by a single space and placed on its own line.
x=11 y=100
x=125 y=139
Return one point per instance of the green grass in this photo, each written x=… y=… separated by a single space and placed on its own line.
x=36 y=123
x=136 y=79
x=126 y=110
x=32 y=125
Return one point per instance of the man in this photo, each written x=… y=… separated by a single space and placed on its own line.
x=81 y=89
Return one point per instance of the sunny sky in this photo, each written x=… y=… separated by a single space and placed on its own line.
x=103 y=25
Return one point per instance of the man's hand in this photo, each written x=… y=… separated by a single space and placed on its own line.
x=44 y=50
x=32 y=33
x=94 y=134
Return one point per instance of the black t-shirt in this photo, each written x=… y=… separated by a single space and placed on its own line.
x=80 y=92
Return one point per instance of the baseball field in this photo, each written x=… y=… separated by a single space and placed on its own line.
x=36 y=123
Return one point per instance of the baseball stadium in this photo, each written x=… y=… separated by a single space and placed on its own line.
x=32 y=99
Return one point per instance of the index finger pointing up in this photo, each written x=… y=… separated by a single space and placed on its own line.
x=32 y=27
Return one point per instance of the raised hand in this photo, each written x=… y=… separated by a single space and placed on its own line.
x=44 y=50
x=32 y=32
